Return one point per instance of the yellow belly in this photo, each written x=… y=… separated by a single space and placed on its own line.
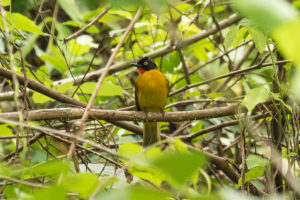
x=152 y=91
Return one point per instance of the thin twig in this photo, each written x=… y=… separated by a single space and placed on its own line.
x=87 y=26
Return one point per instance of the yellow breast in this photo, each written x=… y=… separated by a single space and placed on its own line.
x=152 y=90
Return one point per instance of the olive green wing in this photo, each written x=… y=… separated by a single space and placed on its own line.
x=136 y=97
x=168 y=88
x=167 y=85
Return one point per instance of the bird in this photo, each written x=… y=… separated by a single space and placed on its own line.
x=151 y=93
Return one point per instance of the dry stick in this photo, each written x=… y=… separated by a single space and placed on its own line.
x=15 y=137
x=161 y=51
x=258 y=66
x=112 y=115
x=100 y=80
x=184 y=66
x=87 y=26
x=22 y=182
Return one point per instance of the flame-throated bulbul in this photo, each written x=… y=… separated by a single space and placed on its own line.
x=151 y=93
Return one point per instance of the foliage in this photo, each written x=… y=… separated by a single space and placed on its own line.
x=248 y=62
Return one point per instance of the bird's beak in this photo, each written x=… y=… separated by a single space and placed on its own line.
x=134 y=64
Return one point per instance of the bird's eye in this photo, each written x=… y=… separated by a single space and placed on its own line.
x=145 y=63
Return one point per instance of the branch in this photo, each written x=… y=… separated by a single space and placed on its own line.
x=87 y=26
x=112 y=115
x=36 y=86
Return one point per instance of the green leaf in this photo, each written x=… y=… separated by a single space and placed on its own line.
x=265 y=13
x=170 y=61
x=288 y=39
x=232 y=33
x=83 y=183
x=239 y=38
x=129 y=150
x=200 y=54
x=192 y=94
x=177 y=167
x=215 y=95
x=256 y=161
x=252 y=174
x=6 y=2
x=40 y=98
x=54 y=192
x=134 y=193
x=23 y=23
x=258 y=38
x=46 y=168
x=73 y=9
x=254 y=97
x=5 y=130
x=107 y=89
x=10 y=192
x=81 y=45
x=140 y=165
x=64 y=88
x=197 y=127
x=56 y=61
x=292 y=154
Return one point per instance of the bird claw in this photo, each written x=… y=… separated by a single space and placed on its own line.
x=162 y=112
x=146 y=112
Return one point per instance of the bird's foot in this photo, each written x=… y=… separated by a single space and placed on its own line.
x=162 y=112
x=146 y=112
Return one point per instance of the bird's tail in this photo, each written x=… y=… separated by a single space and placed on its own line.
x=151 y=133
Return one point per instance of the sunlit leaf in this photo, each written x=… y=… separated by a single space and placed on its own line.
x=81 y=45
x=40 y=98
x=6 y=2
x=287 y=36
x=46 y=168
x=56 y=61
x=231 y=36
x=134 y=193
x=258 y=38
x=239 y=37
x=22 y=22
x=10 y=192
x=107 y=89
x=179 y=167
x=54 y=192
x=83 y=183
x=5 y=130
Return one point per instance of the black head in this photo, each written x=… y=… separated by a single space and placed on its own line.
x=145 y=63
